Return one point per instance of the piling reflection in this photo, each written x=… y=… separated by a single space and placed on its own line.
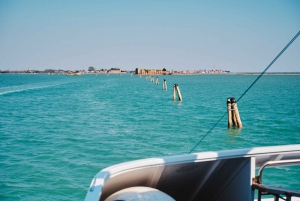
x=233 y=131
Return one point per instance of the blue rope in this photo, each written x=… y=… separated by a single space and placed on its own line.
x=282 y=51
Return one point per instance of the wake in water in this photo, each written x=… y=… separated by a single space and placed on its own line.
x=27 y=87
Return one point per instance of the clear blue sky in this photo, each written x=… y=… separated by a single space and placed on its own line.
x=181 y=35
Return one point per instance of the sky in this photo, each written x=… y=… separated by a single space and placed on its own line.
x=234 y=35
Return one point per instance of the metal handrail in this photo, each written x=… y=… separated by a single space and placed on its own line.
x=274 y=163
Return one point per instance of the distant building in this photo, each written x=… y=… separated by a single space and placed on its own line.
x=29 y=71
x=148 y=71
x=115 y=71
x=138 y=71
x=49 y=71
x=91 y=68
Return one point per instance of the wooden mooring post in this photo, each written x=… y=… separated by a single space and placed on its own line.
x=233 y=116
x=233 y=113
x=229 y=113
x=176 y=89
x=157 y=83
x=164 y=85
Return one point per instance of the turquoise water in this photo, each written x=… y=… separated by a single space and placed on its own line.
x=57 y=132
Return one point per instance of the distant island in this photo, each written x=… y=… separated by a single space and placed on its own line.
x=91 y=70
x=139 y=71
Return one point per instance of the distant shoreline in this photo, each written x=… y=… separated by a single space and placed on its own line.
x=180 y=74
x=268 y=73
x=231 y=73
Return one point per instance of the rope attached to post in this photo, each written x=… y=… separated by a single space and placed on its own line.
x=282 y=51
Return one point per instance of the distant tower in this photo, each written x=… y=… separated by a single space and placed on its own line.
x=28 y=68
x=214 y=69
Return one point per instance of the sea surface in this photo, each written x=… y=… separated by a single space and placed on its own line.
x=57 y=132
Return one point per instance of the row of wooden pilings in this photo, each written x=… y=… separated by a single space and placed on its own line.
x=176 y=89
x=232 y=108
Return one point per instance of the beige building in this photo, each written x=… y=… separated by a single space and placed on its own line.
x=114 y=71
x=149 y=72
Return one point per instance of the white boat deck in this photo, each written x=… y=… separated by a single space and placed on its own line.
x=223 y=175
